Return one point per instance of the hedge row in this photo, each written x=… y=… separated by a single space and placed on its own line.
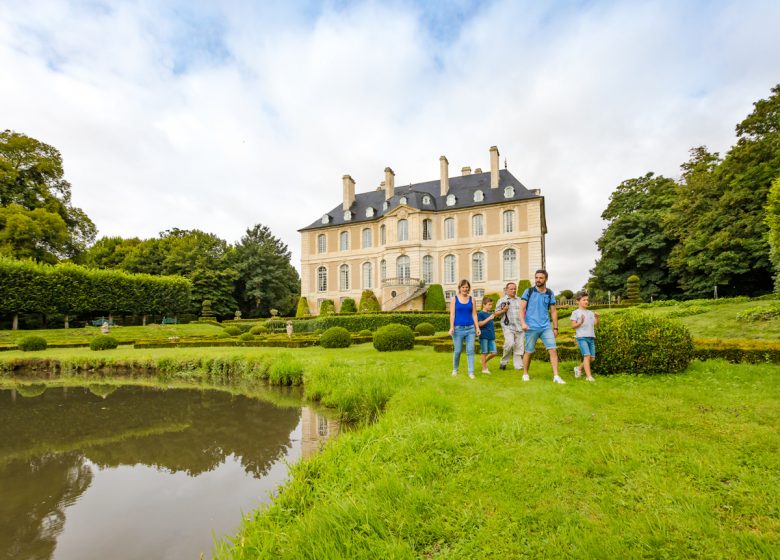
x=737 y=351
x=359 y=322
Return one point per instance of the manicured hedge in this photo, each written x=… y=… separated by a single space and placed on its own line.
x=32 y=344
x=737 y=351
x=394 y=337
x=336 y=337
x=360 y=321
x=425 y=329
x=103 y=342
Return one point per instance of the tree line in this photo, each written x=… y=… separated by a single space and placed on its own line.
x=38 y=222
x=716 y=226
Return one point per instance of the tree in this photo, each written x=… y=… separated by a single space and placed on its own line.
x=302 y=309
x=434 y=298
x=632 y=289
x=34 y=234
x=32 y=178
x=368 y=302
x=266 y=278
x=773 y=223
x=634 y=241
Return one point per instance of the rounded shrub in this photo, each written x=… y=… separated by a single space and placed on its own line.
x=336 y=337
x=327 y=307
x=103 y=342
x=32 y=343
x=393 y=337
x=233 y=330
x=246 y=337
x=259 y=329
x=365 y=332
x=368 y=302
x=318 y=332
x=637 y=342
x=348 y=306
x=302 y=309
x=223 y=334
x=425 y=329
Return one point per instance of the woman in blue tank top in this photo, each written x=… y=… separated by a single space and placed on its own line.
x=463 y=326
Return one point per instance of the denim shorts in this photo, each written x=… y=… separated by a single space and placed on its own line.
x=487 y=346
x=587 y=346
x=547 y=336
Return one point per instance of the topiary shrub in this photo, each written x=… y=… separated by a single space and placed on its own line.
x=206 y=311
x=523 y=285
x=327 y=307
x=425 y=329
x=103 y=342
x=365 y=332
x=394 y=337
x=632 y=290
x=223 y=334
x=434 y=298
x=637 y=342
x=259 y=329
x=233 y=330
x=246 y=337
x=32 y=343
x=348 y=306
x=368 y=302
x=302 y=310
x=336 y=337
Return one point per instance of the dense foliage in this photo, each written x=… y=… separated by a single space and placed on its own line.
x=773 y=224
x=368 y=302
x=348 y=306
x=302 y=310
x=425 y=329
x=394 y=337
x=336 y=337
x=434 y=298
x=327 y=307
x=103 y=342
x=32 y=343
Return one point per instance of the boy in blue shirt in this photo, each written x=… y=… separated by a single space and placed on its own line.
x=487 y=335
x=536 y=309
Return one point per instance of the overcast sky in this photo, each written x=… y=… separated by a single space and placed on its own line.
x=221 y=115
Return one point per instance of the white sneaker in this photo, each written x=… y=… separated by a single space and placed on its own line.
x=486 y=371
x=471 y=376
x=454 y=372
x=590 y=379
x=526 y=377
x=577 y=371
x=558 y=380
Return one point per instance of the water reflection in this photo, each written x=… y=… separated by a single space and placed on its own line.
x=138 y=472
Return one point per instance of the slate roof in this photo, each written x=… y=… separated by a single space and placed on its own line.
x=462 y=187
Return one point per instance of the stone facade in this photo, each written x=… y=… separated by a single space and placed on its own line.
x=486 y=227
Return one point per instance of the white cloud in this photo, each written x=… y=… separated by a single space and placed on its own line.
x=169 y=117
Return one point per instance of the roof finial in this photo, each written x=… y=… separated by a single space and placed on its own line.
x=504 y=163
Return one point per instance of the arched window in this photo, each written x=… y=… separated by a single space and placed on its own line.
x=510 y=264
x=427 y=269
x=479 y=196
x=344 y=241
x=403 y=230
x=449 y=228
x=368 y=276
x=449 y=269
x=477 y=225
x=322 y=244
x=478 y=267
x=427 y=229
x=382 y=235
x=403 y=267
x=451 y=200
x=322 y=279
x=367 y=238
x=402 y=200
x=382 y=269
x=344 y=277
x=509 y=192
x=509 y=221
x=426 y=200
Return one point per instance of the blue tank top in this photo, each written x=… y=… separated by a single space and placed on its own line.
x=463 y=316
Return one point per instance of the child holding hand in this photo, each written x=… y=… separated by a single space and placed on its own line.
x=584 y=322
x=487 y=335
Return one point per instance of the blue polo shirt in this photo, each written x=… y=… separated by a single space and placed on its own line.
x=537 y=311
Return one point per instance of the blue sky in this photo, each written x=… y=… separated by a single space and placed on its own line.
x=220 y=115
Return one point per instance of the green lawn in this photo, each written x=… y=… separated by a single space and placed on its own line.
x=84 y=335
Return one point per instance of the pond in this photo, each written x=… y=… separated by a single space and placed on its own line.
x=131 y=472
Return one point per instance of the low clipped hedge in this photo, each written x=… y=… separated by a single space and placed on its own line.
x=259 y=329
x=425 y=329
x=362 y=321
x=233 y=330
x=394 y=337
x=32 y=343
x=336 y=337
x=737 y=351
x=247 y=336
x=103 y=342
x=637 y=342
x=366 y=332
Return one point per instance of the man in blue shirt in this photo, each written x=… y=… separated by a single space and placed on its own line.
x=537 y=307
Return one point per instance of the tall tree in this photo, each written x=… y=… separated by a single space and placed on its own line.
x=267 y=280
x=634 y=241
x=32 y=177
x=773 y=223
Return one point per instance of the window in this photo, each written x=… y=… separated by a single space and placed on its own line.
x=382 y=235
x=509 y=221
x=403 y=267
x=510 y=264
x=383 y=269
x=369 y=212
x=479 y=196
x=449 y=228
x=509 y=192
x=427 y=269
x=322 y=279
x=347 y=215
x=451 y=200
x=448 y=295
x=449 y=269
x=427 y=229
x=403 y=200
x=325 y=219
x=368 y=273
x=478 y=295
x=366 y=238
x=385 y=205
x=403 y=230
x=477 y=225
x=322 y=244
x=344 y=277
x=426 y=200
x=344 y=241
x=478 y=267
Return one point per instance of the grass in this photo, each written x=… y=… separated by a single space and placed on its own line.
x=85 y=334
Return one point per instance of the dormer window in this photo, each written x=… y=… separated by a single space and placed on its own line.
x=479 y=196
x=369 y=212
x=403 y=200
x=451 y=200
x=509 y=192
x=426 y=200
x=385 y=205
x=325 y=219
x=347 y=215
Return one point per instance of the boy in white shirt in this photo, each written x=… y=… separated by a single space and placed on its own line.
x=584 y=323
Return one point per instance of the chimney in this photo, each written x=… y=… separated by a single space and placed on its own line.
x=389 y=183
x=493 y=167
x=349 y=192
x=444 y=166
x=465 y=170
x=477 y=171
